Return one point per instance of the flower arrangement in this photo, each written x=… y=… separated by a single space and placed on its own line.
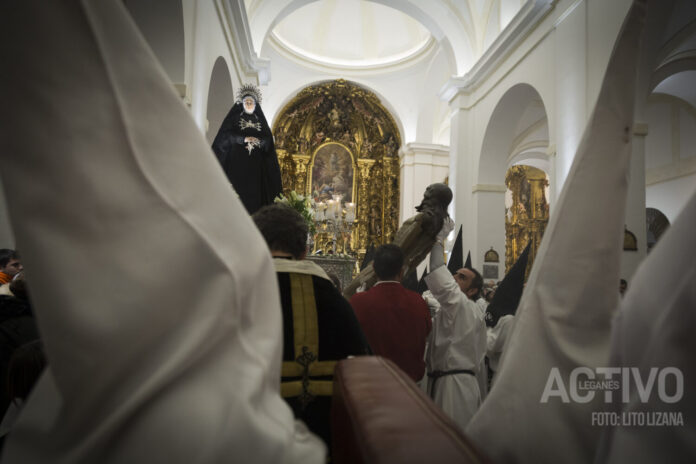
x=302 y=205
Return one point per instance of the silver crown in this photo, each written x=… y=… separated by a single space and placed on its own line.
x=250 y=90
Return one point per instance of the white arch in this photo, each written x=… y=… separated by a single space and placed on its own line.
x=220 y=97
x=497 y=150
x=434 y=15
x=517 y=133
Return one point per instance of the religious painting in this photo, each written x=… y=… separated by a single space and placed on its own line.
x=332 y=173
x=490 y=271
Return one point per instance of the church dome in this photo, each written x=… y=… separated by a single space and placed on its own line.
x=353 y=33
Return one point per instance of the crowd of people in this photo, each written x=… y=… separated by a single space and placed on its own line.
x=320 y=326
x=440 y=339
x=21 y=352
x=144 y=367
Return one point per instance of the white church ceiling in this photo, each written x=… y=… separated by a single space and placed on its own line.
x=364 y=33
x=351 y=33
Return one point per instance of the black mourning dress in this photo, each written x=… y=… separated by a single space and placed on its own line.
x=253 y=170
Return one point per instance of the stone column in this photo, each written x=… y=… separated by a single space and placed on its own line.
x=635 y=203
x=6 y=234
x=463 y=163
x=421 y=164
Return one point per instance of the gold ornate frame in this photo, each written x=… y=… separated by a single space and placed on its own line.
x=345 y=113
x=527 y=217
x=354 y=166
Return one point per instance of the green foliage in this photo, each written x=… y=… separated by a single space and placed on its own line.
x=302 y=205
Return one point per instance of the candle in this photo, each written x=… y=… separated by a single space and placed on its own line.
x=350 y=212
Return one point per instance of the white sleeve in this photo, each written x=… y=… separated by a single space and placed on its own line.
x=498 y=335
x=445 y=290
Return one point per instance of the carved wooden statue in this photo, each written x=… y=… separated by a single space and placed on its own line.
x=415 y=237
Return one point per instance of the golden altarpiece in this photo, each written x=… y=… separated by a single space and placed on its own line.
x=336 y=138
x=526 y=212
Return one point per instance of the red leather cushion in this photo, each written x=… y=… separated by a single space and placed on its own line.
x=380 y=416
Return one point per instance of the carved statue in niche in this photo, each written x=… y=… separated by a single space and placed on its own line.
x=343 y=113
x=346 y=138
x=335 y=118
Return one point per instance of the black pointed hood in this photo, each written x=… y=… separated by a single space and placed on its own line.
x=410 y=281
x=507 y=295
x=369 y=256
x=422 y=286
x=456 y=259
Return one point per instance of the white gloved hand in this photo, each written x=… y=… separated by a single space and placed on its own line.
x=447 y=227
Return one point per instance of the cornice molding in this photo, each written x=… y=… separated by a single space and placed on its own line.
x=683 y=168
x=529 y=16
x=431 y=149
x=234 y=19
x=413 y=154
x=488 y=188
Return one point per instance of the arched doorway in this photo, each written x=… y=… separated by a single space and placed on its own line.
x=656 y=224
x=220 y=97
x=526 y=211
x=514 y=152
x=338 y=138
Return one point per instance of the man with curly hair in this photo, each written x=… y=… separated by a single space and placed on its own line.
x=319 y=325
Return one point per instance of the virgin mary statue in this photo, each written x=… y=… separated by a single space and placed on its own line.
x=245 y=149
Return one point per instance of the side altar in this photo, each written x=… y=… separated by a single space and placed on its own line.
x=338 y=144
x=342 y=266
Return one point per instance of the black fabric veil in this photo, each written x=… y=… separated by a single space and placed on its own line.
x=253 y=171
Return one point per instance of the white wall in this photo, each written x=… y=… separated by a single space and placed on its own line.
x=671 y=196
x=670 y=158
x=420 y=166
x=403 y=90
x=211 y=29
x=564 y=60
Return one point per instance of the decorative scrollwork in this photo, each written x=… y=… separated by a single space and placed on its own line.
x=305 y=360
x=247 y=124
x=528 y=214
x=342 y=112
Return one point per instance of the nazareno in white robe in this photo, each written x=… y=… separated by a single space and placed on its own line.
x=563 y=321
x=654 y=331
x=458 y=341
x=154 y=293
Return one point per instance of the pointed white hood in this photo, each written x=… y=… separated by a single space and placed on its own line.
x=654 y=332
x=154 y=293
x=564 y=317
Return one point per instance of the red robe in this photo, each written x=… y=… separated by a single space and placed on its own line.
x=396 y=322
